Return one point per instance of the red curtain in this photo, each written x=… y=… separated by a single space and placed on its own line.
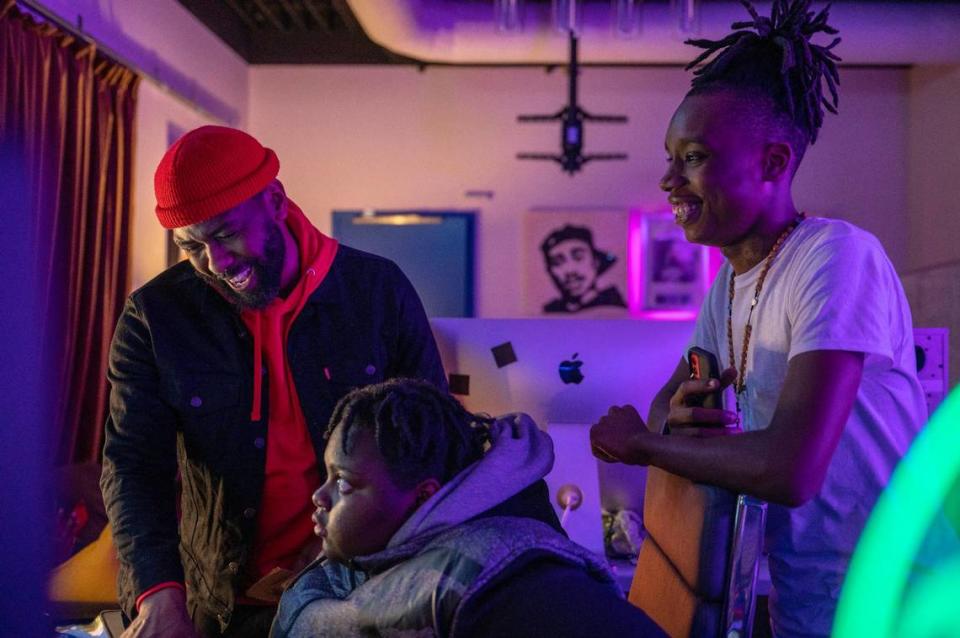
x=71 y=112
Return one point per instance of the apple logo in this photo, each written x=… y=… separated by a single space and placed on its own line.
x=570 y=370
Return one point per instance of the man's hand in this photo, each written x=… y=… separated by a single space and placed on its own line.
x=614 y=437
x=684 y=419
x=163 y=614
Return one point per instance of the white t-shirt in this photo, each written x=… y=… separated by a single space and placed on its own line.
x=830 y=287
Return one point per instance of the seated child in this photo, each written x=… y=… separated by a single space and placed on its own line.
x=433 y=524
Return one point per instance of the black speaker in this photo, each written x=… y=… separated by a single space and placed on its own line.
x=931 y=346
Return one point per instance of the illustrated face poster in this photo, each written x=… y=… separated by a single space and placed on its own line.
x=575 y=264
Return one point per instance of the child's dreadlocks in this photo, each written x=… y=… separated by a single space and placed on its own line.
x=420 y=431
x=774 y=57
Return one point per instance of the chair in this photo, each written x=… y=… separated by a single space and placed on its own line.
x=85 y=581
x=697 y=568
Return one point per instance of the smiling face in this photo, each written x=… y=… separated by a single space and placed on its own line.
x=242 y=252
x=716 y=180
x=573 y=267
x=359 y=507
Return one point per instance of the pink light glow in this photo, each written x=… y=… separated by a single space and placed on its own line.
x=634 y=264
x=636 y=241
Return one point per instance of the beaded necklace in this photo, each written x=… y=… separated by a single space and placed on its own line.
x=740 y=384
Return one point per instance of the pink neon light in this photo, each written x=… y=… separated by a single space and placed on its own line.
x=635 y=264
x=668 y=315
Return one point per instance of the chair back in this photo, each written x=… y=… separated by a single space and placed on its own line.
x=745 y=552
x=697 y=567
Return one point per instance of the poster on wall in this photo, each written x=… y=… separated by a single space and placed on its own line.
x=674 y=271
x=575 y=263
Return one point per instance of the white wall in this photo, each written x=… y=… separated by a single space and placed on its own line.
x=934 y=165
x=162 y=39
x=388 y=137
x=932 y=274
x=157 y=111
x=385 y=137
x=196 y=79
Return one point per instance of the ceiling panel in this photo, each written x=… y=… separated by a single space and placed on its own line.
x=291 y=31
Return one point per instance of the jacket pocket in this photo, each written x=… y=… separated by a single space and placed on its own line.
x=208 y=407
x=355 y=372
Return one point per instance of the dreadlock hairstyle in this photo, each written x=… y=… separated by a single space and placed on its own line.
x=419 y=430
x=773 y=58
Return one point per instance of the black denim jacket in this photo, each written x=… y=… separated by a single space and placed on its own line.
x=181 y=366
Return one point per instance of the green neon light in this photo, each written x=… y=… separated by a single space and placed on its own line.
x=870 y=604
x=930 y=606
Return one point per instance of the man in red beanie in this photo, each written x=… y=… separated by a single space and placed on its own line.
x=227 y=367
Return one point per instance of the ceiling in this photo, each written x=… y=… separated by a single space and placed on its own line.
x=291 y=31
x=464 y=32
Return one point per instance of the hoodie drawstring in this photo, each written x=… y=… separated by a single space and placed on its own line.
x=256 y=408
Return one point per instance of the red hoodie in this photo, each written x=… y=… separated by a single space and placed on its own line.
x=284 y=526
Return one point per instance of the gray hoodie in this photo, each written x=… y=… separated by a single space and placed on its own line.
x=442 y=556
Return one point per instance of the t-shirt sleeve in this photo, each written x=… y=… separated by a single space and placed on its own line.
x=705 y=329
x=844 y=292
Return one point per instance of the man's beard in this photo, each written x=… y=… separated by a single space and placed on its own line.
x=266 y=274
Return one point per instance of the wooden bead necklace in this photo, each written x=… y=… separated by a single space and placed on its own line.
x=740 y=384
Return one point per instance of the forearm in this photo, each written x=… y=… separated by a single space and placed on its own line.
x=139 y=461
x=744 y=463
x=143 y=520
x=140 y=497
x=659 y=409
x=786 y=462
x=660 y=406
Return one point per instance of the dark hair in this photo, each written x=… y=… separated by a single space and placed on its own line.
x=580 y=233
x=772 y=60
x=419 y=430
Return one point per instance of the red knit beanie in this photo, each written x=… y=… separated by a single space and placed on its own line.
x=209 y=170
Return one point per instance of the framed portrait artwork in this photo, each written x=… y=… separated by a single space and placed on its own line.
x=669 y=276
x=575 y=263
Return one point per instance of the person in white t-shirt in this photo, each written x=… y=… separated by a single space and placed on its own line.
x=808 y=314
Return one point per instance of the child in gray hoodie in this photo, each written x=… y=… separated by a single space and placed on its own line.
x=435 y=522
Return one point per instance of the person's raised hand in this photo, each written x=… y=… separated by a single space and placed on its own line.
x=613 y=438
x=163 y=614
x=688 y=419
